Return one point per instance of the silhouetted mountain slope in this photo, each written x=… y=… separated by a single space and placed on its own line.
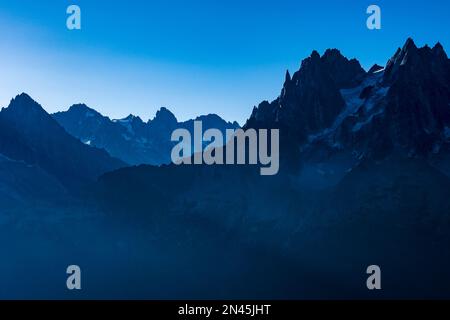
x=408 y=190
x=24 y=184
x=392 y=212
x=310 y=100
x=130 y=139
x=28 y=133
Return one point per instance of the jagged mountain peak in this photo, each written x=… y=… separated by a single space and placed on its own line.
x=399 y=57
x=130 y=139
x=411 y=62
x=345 y=72
x=25 y=110
x=438 y=49
x=332 y=104
x=82 y=110
x=80 y=107
x=132 y=118
x=332 y=53
x=375 y=68
x=409 y=45
x=333 y=56
x=404 y=108
x=408 y=49
x=23 y=97
x=288 y=77
x=23 y=102
x=213 y=120
x=28 y=133
x=315 y=55
x=312 y=60
x=212 y=116
x=164 y=115
x=310 y=99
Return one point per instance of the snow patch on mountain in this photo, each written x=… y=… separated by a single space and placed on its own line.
x=379 y=94
x=126 y=123
x=360 y=125
x=354 y=101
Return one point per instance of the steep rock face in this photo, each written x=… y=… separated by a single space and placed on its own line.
x=331 y=106
x=345 y=73
x=404 y=108
x=418 y=107
x=310 y=100
x=164 y=120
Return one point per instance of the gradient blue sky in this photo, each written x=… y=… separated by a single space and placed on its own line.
x=194 y=57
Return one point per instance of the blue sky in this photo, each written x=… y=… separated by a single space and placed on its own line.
x=193 y=57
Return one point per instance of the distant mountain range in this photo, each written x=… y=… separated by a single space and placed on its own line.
x=331 y=114
x=130 y=139
x=77 y=146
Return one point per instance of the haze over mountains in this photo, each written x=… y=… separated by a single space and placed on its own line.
x=334 y=118
x=364 y=179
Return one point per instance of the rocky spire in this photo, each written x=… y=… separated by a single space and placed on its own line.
x=287 y=77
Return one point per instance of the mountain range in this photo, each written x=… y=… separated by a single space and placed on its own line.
x=332 y=113
x=364 y=179
x=130 y=139
x=77 y=146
